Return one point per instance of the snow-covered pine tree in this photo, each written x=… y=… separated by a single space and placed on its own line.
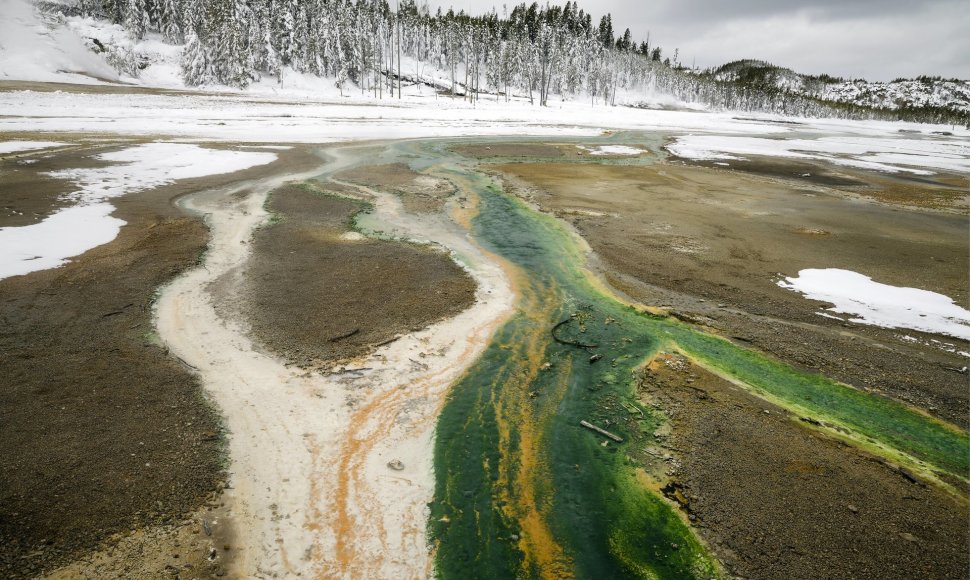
x=136 y=19
x=227 y=43
x=195 y=64
x=171 y=24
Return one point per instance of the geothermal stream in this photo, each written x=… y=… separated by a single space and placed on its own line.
x=311 y=492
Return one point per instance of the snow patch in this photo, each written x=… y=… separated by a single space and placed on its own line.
x=881 y=304
x=613 y=150
x=64 y=234
x=74 y=230
x=15 y=146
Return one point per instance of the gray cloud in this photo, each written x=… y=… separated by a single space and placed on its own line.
x=875 y=39
x=708 y=10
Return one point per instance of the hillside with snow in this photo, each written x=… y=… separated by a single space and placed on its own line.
x=934 y=95
x=902 y=93
x=38 y=45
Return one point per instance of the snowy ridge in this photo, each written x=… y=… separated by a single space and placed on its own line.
x=922 y=92
x=933 y=94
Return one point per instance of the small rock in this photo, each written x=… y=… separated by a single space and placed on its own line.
x=595 y=358
x=545 y=366
x=396 y=465
x=853 y=509
x=908 y=537
x=514 y=537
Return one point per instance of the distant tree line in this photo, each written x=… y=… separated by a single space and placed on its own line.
x=535 y=51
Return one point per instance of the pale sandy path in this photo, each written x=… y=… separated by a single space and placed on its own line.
x=311 y=492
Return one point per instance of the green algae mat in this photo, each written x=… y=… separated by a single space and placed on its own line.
x=537 y=448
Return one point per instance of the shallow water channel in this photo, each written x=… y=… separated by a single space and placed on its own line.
x=523 y=489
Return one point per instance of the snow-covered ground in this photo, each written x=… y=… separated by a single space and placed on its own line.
x=871 y=302
x=34 y=48
x=88 y=223
x=249 y=118
x=17 y=146
x=908 y=153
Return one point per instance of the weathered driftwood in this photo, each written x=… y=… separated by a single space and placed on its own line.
x=602 y=432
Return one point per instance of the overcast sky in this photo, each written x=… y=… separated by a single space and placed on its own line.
x=873 y=39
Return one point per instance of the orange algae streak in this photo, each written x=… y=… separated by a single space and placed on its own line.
x=522 y=469
x=352 y=456
x=548 y=556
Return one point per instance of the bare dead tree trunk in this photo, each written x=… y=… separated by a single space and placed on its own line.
x=399 y=50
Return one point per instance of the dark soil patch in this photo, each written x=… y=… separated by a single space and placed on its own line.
x=419 y=193
x=316 y=298
x=802 y=171
x=99 y=89
x=484 y=151
x=776 y=500
x=941 y=191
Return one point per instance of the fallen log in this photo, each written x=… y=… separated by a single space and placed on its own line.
x=602 y=432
